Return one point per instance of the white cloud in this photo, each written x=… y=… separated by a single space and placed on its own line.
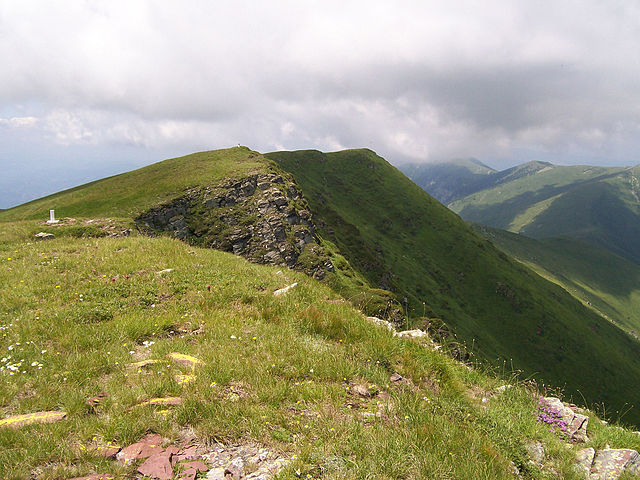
x=411 y=80
x=19 y=121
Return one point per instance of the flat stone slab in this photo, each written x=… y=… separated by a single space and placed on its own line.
x=198 y=465
x=157 y=466
x=190 y=452
x=143 y=363
x=95 y=476
x=44 y=236
x=17 y=421
x=149 y=445
x=171 y=401
x=186 y=360
x=184 y=379
x=284 y=290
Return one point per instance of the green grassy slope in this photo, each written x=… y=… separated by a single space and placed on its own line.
x=128 y=194
x=396 y=234
x=607 y=282
x=278 y=371
x=399 y=238
x=594 y=204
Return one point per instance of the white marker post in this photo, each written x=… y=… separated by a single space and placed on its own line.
x=52 y=217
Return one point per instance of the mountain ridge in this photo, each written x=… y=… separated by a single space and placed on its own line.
x=383 y=231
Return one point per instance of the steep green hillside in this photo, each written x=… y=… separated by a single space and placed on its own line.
x=401 y=238
x=593 y=204
x=608 y=283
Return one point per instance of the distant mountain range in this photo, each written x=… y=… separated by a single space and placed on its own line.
x=597 y=205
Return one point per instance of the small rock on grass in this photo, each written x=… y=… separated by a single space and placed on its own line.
x=284 y=290
x=44 y=236
x=94 y=401
x=536 y=453
x=186 y=360
x=162 y=401
x=362 y=391
x=95 y=476
x=417 y=333
x=17 y=421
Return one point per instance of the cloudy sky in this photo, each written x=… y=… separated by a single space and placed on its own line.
x=92 y=88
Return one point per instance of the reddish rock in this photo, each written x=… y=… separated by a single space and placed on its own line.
x=152 y=439
x=198 y=465
x=172 y=450
x=157 y=466
x=149 y=445
x=189 y=474
x=106 y=451
x=186 y=453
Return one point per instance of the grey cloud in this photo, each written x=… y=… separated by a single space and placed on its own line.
x=411 y=80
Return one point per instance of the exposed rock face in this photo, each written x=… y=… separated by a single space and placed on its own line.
x=610 y=464
x=262 y=217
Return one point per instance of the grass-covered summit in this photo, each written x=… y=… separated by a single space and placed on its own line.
x=129 y=194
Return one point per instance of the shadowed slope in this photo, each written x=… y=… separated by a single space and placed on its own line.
x=400 y=237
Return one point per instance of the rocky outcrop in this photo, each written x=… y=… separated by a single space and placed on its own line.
x=262 y=217
x=566 y=419
x=610 y=464
x=574 y=424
